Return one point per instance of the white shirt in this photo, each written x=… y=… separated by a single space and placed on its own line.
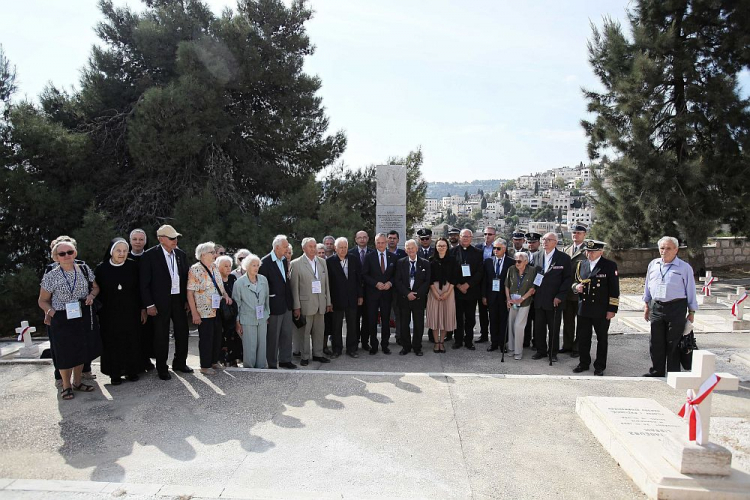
x=174 y=271
x=593 y=263
x=548 y=260
x=313 y=265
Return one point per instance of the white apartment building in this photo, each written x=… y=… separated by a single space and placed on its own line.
x=432 y=204
x=541 y=227
x=561 y=200
x=582 y=215
x=534 y=202
x=517 y=195
x=447 y=201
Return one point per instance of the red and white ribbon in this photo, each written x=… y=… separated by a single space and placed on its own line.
x=690 y=409
x=707 y=286
x=23 y=332
x=737 y=303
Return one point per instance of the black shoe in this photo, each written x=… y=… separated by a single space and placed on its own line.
x=554 y=359
x=352 y=354
x=653 y=374
x=481 y=340
x=132 y=378
x=579 y=369
x=271 y=367
x=116 y=381
x=419 y=353
x=448 y=336
x=165 y=376
x=386 y=350
x=304 y=362
x=297 y=354
x=335 y=355
x=471 y=347
x=373 y=350
x=403 y=352
x=365 y=347
x=492 y=348
x=599 y=373
x=183 y=369
x=321 y=359
x=288 y=366
x=148 y=367
x=327 y=351
x=456 y=346
x=539 y=355
x=574 y=354
x=563 y=351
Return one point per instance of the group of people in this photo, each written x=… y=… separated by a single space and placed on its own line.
x=266 y=311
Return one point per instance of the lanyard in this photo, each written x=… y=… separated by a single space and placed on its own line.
x=211 y=275
x=498 y=266
x=520 y=282
x=664 y=274
x=75 y=279
x=315 y=267
x=257 y=294
x=171 y=263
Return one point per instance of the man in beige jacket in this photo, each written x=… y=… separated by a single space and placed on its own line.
x=311 y=298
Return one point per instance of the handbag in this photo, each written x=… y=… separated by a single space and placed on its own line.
x=299 y=322
x=228 y=312
x=96 y=304
x=686 y=347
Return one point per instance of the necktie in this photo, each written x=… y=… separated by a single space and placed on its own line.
x=361 y=256
x=413 y=271
x=345 y=267
x=497 y=268
x=382 y=263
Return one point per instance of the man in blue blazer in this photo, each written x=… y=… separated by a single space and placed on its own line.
x=345 y=282
x=377 y=274
x=493 y=293
x=275 y=268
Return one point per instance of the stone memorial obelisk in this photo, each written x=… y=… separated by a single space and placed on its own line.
x=390 y=200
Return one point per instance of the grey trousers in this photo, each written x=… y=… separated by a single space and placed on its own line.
x=254 y=345
x=279 y=339
x=313 y=330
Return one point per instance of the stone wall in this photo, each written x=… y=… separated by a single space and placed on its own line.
x=719 y=252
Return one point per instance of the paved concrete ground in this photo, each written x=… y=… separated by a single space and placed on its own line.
x=457 y=425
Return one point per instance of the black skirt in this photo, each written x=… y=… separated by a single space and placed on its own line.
x=75 y=341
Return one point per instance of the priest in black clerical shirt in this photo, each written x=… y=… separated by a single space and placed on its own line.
x=468 y=289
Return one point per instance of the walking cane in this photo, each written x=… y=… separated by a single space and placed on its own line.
x=554 y=334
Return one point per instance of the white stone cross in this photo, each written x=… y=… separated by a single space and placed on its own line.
x=704 y=363
x=24 y=333
x=740 y=307
x=708 y=280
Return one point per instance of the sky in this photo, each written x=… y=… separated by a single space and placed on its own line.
x=488 y=88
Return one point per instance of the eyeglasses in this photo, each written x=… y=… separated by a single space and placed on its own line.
x=548 y=239
x=489 y=234
x=425 y=238
x=519 y=262
x=497 y=248
x=63 y=254
x=167 y=237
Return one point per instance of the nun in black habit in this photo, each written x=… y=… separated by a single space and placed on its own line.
x=121 y=315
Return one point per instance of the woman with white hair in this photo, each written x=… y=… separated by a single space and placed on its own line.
x=122 y=313
x=231 y=344
x=239 y=256
x=252 y=298
x=205 y=290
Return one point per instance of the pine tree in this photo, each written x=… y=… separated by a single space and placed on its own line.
x=672 y=113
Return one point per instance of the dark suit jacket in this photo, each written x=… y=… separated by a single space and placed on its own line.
x=473 y=257
x=344 y=291
x=354 y=252
x=425 y=254
x=279 y=290
x=489 y=276
x=557 y=280
x=422 y=281
x=600 y=295
x=156 y=282
x=371 y=273
x=400 y=253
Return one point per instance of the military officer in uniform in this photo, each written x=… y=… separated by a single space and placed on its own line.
x=532 y=243
x=577 y=253
x=517 y=244
x=597 y=286
x=425 y=243
x=453 y=237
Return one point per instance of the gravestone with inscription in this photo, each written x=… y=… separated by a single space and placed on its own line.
x=633 y=431
x=390 y=201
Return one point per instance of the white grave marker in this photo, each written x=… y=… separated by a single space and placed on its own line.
x=738 y=310
x=700 y=457
x=29 y=350
x=709 y=280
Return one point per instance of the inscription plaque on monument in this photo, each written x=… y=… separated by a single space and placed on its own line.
x=390 y=200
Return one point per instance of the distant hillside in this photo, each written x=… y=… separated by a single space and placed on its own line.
x=440 y=189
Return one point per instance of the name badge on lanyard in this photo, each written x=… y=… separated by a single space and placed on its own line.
x=259 y=311
x=496 y=285
x=661 y=291
x=466 y=270
x=316 y=288
x=73 y=310
x=538 y=279
x=215 y=301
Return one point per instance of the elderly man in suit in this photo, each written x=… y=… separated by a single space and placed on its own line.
x=163 y=273
x=468 y=290
x=493 y=293
x=345 y=281
x=359 y=251
x=487 y=252
x=576 y=252
x=412 y=282
x=275 y=268
x=311 y=298
x=377 y=274
x=553 y=282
